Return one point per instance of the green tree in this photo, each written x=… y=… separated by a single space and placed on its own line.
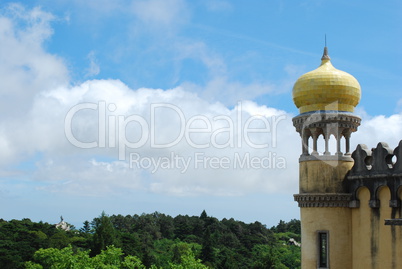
x=132 y=262
x=154 y=241
x=227 y=259
x=188 y=261
x=265 y=257
x=294 y=226
x=203 y=215
x=110 y=258
x=176 y=255
x=207 y=252
x=105 y=234
x=131 y=244
x=86 y=228
x=289 y=256
x=59 y=240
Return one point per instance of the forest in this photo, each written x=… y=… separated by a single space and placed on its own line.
x=150 y=241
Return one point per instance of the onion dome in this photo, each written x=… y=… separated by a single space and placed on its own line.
x=326 y=88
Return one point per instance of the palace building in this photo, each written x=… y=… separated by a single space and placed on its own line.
x=350 y=207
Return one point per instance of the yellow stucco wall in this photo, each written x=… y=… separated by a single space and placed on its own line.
x=322 y=176
x=337 y=221
x=325 y=177
x=358 y=237
x=376 y=245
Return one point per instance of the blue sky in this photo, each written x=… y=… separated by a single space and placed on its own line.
x=206 y=58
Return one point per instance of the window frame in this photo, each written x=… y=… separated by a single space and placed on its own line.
x=320 y=263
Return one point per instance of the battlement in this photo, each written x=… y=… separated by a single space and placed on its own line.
x=376 y=162
x=373 y=169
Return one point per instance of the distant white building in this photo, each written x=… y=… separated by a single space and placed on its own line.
x=63 y=225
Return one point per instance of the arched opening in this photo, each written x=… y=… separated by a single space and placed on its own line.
x=332 y=144
x=389 y=160
x=310 y=145
x=363 y=196
x=393 y=159
x=342 y=141
x=369 y=162
x=383 y=194
x=321 y=144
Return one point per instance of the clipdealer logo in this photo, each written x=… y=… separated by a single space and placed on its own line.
x=199 y=160
x=238 y=132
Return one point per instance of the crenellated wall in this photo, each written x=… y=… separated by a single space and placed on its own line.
x=374 y=169
x=374 y=244
x=374 y=185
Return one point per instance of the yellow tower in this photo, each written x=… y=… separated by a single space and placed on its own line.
x=326 y=98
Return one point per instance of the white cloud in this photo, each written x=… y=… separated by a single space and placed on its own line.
x=43 y=93
x=186 y=49
x=64 y=167
x=379 y=129
x=26 y=69
x=161 y=13
x=87 y=177
x=37 y=23
x=94 y=68
x=219 y=86
x=229 y=92
x=37 y=99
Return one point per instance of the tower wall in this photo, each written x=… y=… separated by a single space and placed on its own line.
x=375 y=184
x=335 y=220
x=376 y=245
x=325 y=208
x=350 y=205
x=357 y=203
x=323 y=176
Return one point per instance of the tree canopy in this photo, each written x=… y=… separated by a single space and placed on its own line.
x=150 y=241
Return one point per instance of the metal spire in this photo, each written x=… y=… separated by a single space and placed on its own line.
x=325 y=55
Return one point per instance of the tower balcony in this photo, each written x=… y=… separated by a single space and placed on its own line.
x=329 y=128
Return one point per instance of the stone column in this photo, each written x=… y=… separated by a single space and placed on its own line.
x=326 y=137
x=338 y=142
x=315 y=135
x=305 y=137
x=347 y=142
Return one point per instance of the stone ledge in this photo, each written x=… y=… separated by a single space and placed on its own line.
x=324 y=158
x=318 y=119
x=323 y=199
x=393 y=222
x=369 y=176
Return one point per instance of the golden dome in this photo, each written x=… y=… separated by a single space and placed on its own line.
x=326 y=88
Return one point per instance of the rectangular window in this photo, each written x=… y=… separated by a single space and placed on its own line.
x=323 y=253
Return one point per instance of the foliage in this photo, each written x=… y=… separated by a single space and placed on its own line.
x=111 y=258
x=53 y=258
x=188 y=261
x=292 y=226
x=105 y=234
x=150 y=241
x=265 y=257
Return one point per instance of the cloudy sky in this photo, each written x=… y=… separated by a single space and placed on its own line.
x=176 y=106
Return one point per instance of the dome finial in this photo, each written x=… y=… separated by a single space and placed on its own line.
x=325 y=55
